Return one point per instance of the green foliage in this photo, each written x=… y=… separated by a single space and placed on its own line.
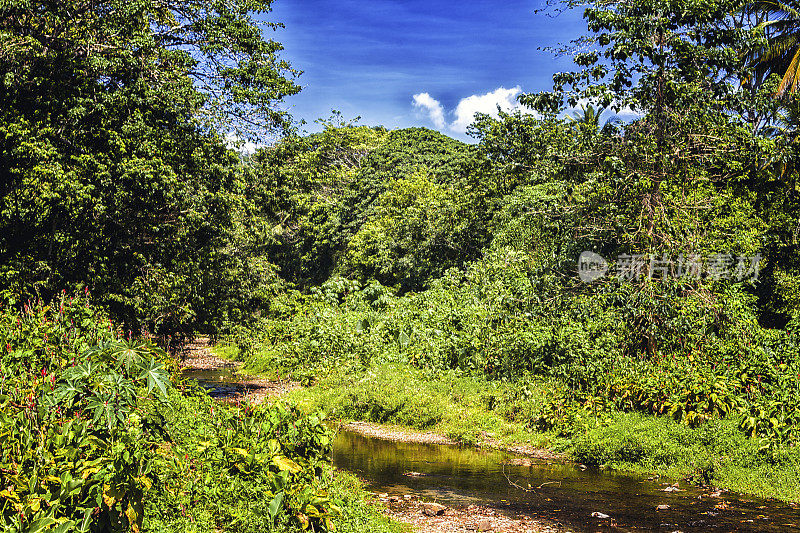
x=299 y=187
x=778 y=51
x=382 y=395
x=97 y=438
x=340 y=202
x=110 y=171
x=77 y=413
x=716 y=453
x=358 y=515
x=248 y=468
x=538 y=192
x=416 y=279
x=654 y=54
x=467 y=409
x=404 y=239
x=651 y=349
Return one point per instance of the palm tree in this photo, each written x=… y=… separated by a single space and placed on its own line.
x=787 y=121
x=590 y=117
x=781 y=52
x=587 y=115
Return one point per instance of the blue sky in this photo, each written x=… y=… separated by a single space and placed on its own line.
x=371 y=58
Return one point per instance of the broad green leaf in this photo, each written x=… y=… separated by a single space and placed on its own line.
x=156 y=375
x=40 y=525
x=275 y=506
x=284 y=463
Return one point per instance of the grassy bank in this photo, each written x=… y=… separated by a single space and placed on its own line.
x=475 y=410
x=472 y=410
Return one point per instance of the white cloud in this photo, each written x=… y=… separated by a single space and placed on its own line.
x=485 y=103
x=434 y=109
x=246 y=147
x=464 y=113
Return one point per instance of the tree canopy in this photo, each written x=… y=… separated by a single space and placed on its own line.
x=114 y=166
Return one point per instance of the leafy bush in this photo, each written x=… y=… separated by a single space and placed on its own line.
x=691 y=358
x=97 y=438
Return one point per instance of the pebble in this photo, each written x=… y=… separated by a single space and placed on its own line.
x=485 y=525
x=433 y=509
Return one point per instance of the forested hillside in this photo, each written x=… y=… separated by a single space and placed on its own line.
x=624 y=291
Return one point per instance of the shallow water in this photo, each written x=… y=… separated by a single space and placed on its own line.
x=560 y=492
x=220 y=382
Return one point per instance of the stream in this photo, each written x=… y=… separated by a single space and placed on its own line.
x=562 y=492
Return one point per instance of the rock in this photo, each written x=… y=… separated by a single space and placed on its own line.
x=600 y=515
x=393 y=499
x=433 y=509
x=662 y=507
x=408 y=496
x=383 y=495
x=485 y=525
x=414 y=474
x=671 y=489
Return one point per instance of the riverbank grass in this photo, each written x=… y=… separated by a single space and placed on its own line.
x=715 y=453
x=472 y=410
x=464 y=409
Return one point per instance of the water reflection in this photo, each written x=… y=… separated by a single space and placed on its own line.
x=558 y=491
x=220 y=382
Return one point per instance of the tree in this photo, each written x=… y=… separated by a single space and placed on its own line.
x=682 y=179
x=302 y=183
x=780 y=53
x=588 y=116
x=676 y=63
x=113 y=165
x=645 y=54
x=341 y=201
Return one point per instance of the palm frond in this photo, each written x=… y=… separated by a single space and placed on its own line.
x=782 y=10
x=780 y=47
x=781 y=53
x=791 y=77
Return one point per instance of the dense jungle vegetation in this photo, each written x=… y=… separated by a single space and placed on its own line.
x=402 y=276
